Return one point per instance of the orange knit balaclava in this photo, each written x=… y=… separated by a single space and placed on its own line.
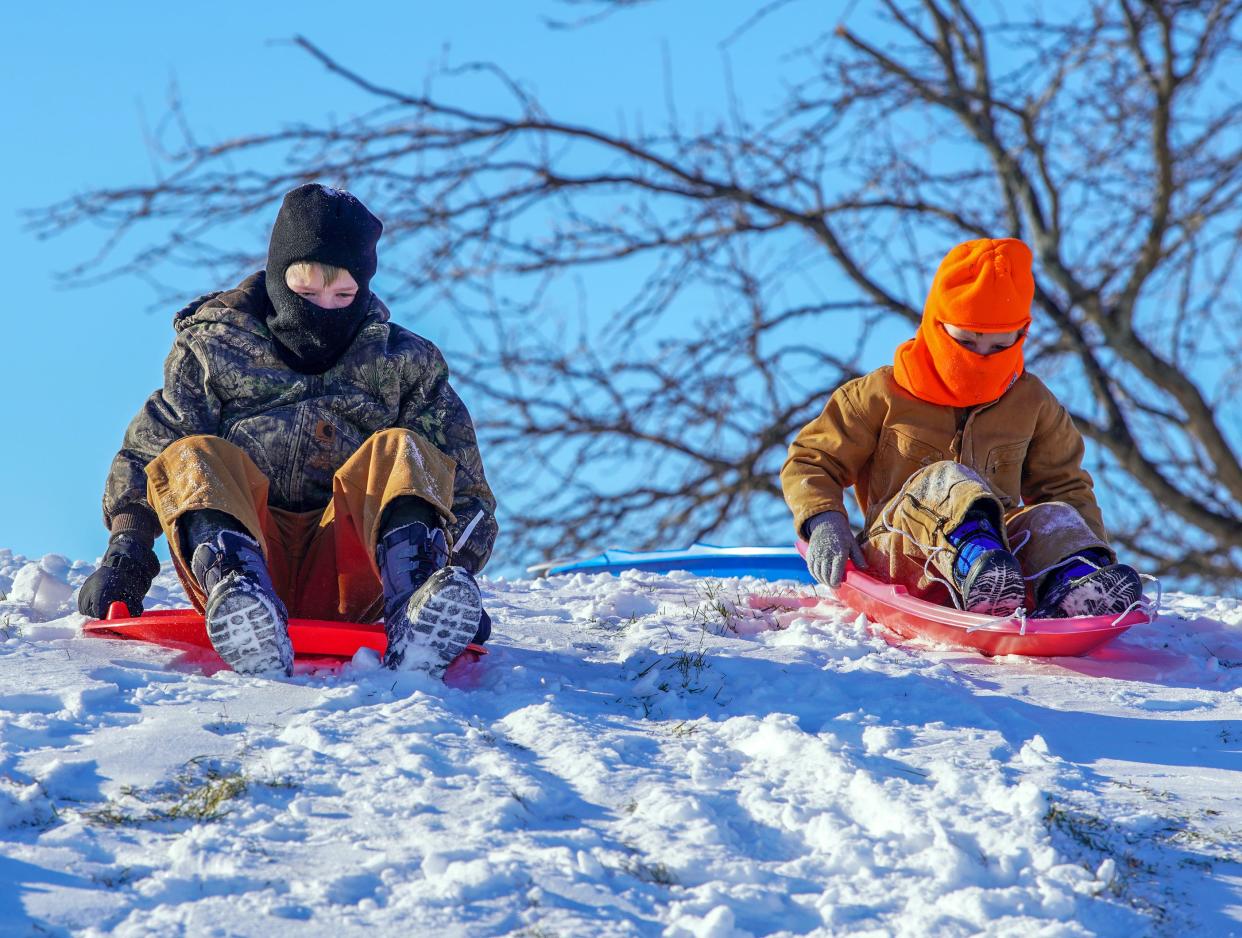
x=983 y=286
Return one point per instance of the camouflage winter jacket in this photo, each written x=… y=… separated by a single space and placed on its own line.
x=224 y=378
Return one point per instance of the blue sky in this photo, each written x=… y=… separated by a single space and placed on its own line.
x=83 y=83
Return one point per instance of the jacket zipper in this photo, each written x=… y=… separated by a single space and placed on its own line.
x=959 y=441
x=296 y=476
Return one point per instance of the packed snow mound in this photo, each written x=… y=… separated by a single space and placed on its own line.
x=638 y=755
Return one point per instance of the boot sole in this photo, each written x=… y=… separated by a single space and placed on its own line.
x=440 y=620
x=247 y=630
x=1108 y=591
x=994 y=586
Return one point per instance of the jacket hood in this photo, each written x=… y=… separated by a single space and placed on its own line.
x=246 y=307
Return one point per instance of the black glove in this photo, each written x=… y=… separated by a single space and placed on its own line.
x=124 y=575
x=831 y=544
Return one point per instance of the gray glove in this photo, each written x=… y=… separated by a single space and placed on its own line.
x=831 y=544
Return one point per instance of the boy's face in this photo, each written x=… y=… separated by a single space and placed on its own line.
x=309 y=285
x=982 y=343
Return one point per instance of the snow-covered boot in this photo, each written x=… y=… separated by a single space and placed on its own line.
x=1087 y=585
x=987 y=574
x=246 y=621
x=431 y=611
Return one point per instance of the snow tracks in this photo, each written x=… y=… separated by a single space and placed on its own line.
x=636 y=756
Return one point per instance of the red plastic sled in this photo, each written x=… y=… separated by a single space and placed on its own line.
x=312 y=638
x=913 y=618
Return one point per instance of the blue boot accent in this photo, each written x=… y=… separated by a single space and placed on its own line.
x=1088 y=585
x=407 y=556
x=246 y=621
x=987 y=574
x=431 y=610
x=972 y=539
x=1080 y=565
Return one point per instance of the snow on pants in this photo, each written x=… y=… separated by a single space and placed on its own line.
x=935 y=500
x=322 y=562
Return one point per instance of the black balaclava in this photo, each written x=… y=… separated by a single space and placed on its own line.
x=332 y=227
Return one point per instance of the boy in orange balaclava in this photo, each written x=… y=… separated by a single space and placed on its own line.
x=967 y=468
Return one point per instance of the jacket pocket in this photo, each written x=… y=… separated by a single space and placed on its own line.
x=325 y=442
x=898 y=456
x=1004 y=471
x=266 y=441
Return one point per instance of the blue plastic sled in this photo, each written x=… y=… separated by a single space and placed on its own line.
x=707 y=560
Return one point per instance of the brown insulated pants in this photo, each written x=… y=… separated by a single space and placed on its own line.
x=935 y=500
x=322 y=562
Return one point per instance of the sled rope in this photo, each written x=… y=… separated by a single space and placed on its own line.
x=1147 y=605
x=1019 y=614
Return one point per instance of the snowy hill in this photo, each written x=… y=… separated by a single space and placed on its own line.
x=636 y=756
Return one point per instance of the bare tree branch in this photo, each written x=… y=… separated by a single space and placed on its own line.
x=649 y=315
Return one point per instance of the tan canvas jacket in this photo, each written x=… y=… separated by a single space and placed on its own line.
x=874 y=435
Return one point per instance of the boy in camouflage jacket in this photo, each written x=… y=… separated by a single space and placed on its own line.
x=305 y=456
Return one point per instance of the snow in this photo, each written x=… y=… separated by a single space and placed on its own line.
x=641 y=755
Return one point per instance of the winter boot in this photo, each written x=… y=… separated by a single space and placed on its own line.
x=431 y=610
x=1088 y=585
x=987 y=575
x=246 y=621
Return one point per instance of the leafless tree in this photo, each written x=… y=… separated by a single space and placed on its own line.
x=748 y=266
